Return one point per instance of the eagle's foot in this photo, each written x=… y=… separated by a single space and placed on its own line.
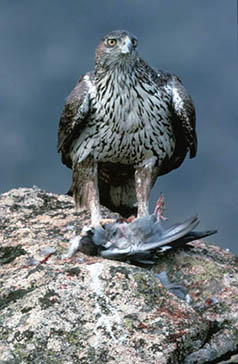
x=106 y=221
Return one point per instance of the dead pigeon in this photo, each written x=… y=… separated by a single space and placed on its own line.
x=139 y=241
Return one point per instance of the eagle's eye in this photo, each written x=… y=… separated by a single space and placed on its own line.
x=134 y=42
x=111 y=42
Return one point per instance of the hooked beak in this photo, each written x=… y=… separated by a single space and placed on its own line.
x=127 y=46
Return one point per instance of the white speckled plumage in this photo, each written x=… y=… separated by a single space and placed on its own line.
x=131 y=129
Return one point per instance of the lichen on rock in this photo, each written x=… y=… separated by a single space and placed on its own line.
x=93 y=310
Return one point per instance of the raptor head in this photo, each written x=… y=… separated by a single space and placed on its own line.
x=117 y=48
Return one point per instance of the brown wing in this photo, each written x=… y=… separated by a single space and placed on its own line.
x=74 y=116
x=184 y=112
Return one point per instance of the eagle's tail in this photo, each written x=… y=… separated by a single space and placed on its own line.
x=117 y=188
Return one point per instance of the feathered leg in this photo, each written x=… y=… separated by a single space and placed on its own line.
x=144 y=180
x=85 y=188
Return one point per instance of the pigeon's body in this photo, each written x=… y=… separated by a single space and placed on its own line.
x=140 y=241
x=123 y=125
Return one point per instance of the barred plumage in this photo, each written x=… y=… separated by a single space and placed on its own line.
x=123 y=125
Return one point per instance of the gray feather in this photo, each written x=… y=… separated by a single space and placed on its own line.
x=141 y=240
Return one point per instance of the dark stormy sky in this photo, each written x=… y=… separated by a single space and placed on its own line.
x=46 y=45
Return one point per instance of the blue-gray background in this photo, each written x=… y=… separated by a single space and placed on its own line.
x=46 y=45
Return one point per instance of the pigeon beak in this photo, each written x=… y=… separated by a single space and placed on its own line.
x=127 y=46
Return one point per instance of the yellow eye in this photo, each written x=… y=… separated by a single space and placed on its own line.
x=111 y=42
x=134 y=42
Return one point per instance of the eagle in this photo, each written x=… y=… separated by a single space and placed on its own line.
x=123 y=125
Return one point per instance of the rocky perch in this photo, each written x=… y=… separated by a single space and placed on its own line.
x=92 y=310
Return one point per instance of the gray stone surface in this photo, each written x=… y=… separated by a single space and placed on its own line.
x=92 y=310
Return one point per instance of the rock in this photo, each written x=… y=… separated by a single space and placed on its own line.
x=93 y=310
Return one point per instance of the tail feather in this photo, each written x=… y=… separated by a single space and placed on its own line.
x=117 y=192
x=196 y=235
